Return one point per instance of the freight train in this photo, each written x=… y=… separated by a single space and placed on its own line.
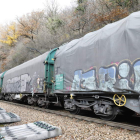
x=100 y=71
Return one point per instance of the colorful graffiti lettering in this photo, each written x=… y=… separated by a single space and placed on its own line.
x=124 y=75
x=107 y=78
x=84 y=81
x=24 y=83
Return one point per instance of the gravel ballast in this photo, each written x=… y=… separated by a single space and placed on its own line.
x=73 y=129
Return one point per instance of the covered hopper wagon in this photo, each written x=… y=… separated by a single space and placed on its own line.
x=100 y=71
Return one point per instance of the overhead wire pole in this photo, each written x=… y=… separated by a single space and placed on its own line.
x=34 y=49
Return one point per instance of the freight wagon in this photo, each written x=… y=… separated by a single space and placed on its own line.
x=100 y=71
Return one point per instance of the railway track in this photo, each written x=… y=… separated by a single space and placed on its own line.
x=88 y=119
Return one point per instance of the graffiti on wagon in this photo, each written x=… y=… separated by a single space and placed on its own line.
x=24 y=83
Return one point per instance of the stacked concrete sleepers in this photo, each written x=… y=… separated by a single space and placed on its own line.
x=6 y=117
x=32 y=131
x=2 y=110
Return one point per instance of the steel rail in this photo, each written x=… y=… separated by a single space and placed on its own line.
x=88 y=119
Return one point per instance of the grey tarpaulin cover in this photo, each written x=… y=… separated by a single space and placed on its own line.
x=8 y=117
x=104 y=59
x=32 y=131
x=26 y=78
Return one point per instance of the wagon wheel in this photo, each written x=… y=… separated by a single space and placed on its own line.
x=75 y=111
x=1 y=96
x=119 y=101
x=112 y=116
x=47 y=105
x=6 y=97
